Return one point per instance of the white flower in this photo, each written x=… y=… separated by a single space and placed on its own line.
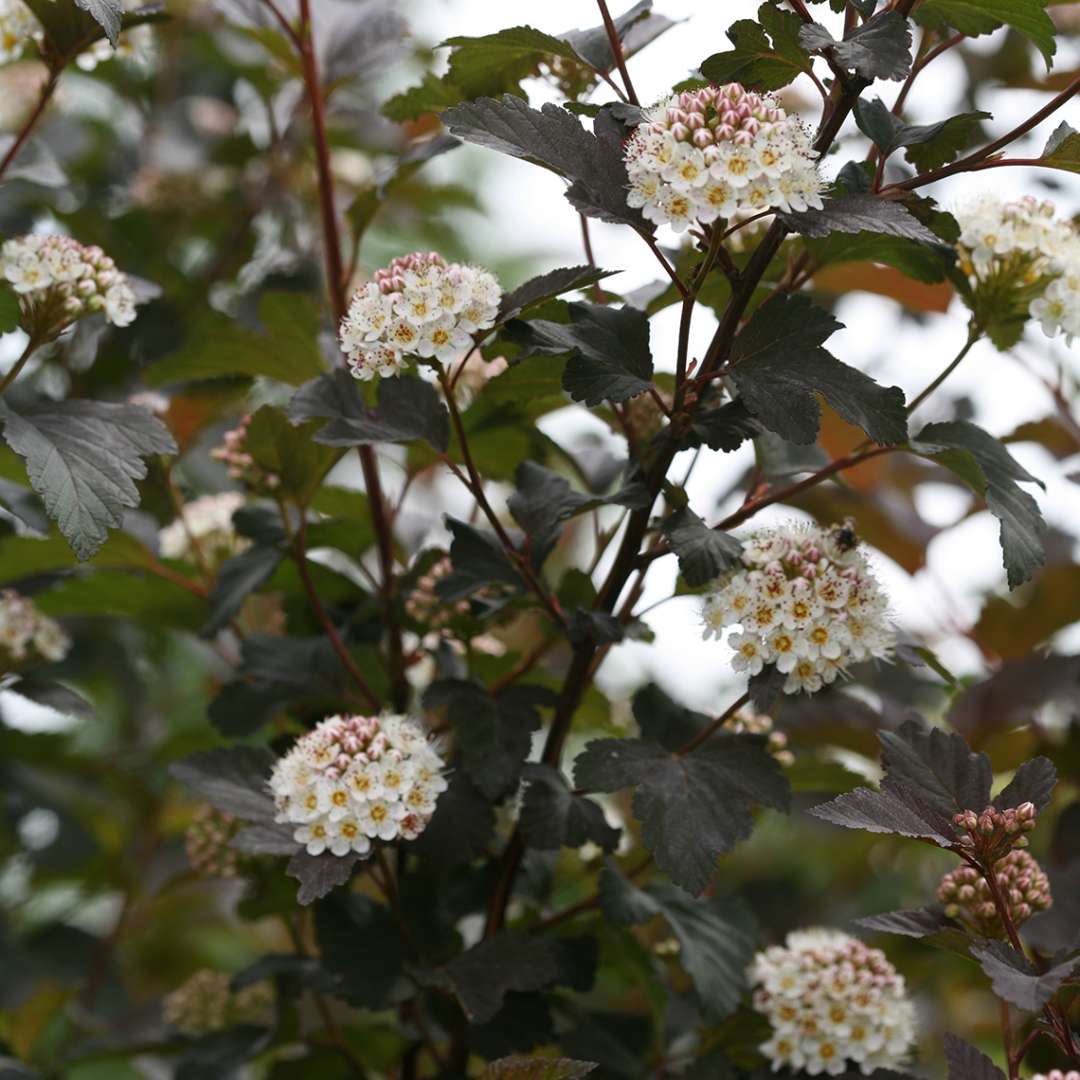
x=206 y=524
x=61 y=280
x=731 y=151
x=354 y=780
x=18 y=28
x=27 y=634
x=832 y=1003
x=807 y=604
x=418 y=306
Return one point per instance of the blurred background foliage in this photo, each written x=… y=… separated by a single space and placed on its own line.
x=191 y=164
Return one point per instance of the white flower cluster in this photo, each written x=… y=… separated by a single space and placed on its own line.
x=419 y=305
x=356 y=779
x=719 y=152
x=207 y=525
x=25 y=633
x=18 y=27
x=59 y=280
x=135 y=44
x=807 y=603
x=1007 y=246
x=832 y=1001
x=1057 y=1074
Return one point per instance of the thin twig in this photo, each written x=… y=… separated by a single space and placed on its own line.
x=47 y=90
x=617 y=51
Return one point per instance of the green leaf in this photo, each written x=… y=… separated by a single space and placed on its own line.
x=778 y=365
x=496 y=63
x=9 y=309
x=34 y=162
x=83 y=458
x=928 y=145
x=554 y=138
x=552 y=816
x=859 y=212
x=408 y=408
x=285 y=349
x=289 y=452
x=144 y=598
x=608 y=349
x=922 y=262
x=1062 y=150
x=703 y=553
x=880 y=48
x=984 y=464
x=691 y=808
x=976 y=17
x=767 y=54
x=547 y=286
x=431 y=95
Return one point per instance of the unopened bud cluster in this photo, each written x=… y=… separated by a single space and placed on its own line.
x=60 y=280
x=833 y=1004
x=206 y=843
x=357 y=779
x=1018 y=256
x=992 y=834
x=418 y=306
x=807 y=604
x=1022 y=884
x=205 y=531
x=750 y=723
x=207 y=1003
x=240 y=463
x=26 y=634
x=424 y=604
x=720 y=152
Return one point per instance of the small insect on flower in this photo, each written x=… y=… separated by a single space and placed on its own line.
x=357 y=780
x=418 y=306
x=807 y=604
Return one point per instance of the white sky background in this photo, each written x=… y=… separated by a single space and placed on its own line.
x=526 y=213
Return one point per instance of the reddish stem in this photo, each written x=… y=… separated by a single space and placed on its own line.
x=47 y=89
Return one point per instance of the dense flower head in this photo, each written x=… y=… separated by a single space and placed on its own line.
x=1024 y=887
x=832 y=1002
x=241 y=465
x=1057 y=1074
x=807 y=603
x=719 y=152
x=354 y=780
x=206 y=1003
x=1020 y=253
x=206 y=842
x=205 y=530
x=18 y=28
x=60 y=280
x=26 y=634
x=418 y=306
x=746 y=722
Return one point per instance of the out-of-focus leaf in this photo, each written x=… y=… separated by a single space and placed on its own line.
x=361 y=944
x=976 y=17
x=984 y=464
x=537 y=1069
x=1062 y=150
x=288 y=452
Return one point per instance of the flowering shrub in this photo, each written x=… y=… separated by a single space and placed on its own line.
x=355 y=717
